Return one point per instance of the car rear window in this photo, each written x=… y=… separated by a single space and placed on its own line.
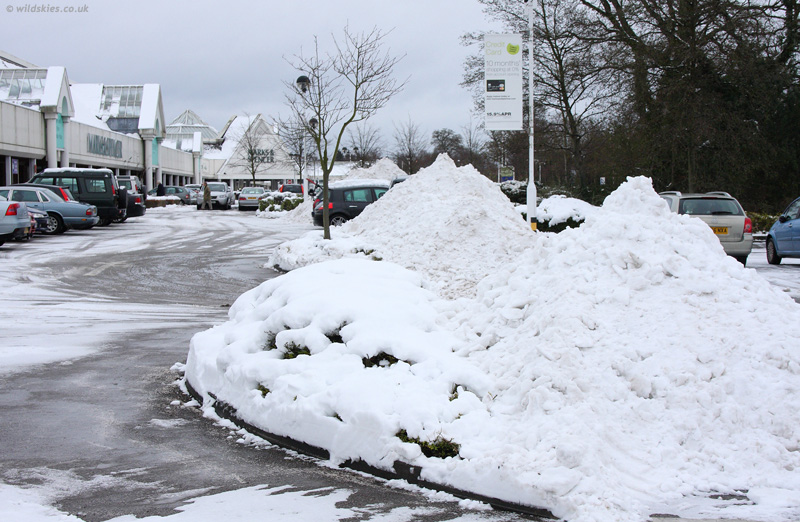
x=95 y=185
x=363 y=194
x=70 y=183
x=709 y=207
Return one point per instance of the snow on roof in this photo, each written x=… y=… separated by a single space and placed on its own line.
x=56 y=79
x=151 y=113
x=358 y=182
x=23 y=86
x=87 y=99
x=559 y=209
x=608 y=372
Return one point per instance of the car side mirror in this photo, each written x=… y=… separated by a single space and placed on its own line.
x=784 y=218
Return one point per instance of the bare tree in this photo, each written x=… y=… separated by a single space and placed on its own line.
x=409 y=146
x=365 y=143
x=299 y=145
x=473 y=139
x=337 y=89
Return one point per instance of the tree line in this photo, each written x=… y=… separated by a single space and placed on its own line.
x=699 y=95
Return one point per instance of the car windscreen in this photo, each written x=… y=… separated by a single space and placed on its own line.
x=217 y=187
x=709 y=207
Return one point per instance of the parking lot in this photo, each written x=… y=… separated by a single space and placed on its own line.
x=95 y=321
x=99 y=425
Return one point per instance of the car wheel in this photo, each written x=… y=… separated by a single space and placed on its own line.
x=55 y=225
x=104 y=222
x=772 y=253
x=337 y=221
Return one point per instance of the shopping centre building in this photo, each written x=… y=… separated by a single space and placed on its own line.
x=46 y=121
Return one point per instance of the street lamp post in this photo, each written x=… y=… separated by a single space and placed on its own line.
x=531 y=197
x=303 y=84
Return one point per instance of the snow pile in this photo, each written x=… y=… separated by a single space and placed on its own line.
x=384 y=169
x=449 y=223
x=608 y=372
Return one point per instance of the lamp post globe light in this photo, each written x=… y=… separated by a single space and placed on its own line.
x=303 y=83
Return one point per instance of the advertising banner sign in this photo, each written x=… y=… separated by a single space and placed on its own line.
x=503 y=88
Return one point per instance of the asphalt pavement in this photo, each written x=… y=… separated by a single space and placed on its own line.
x=110 y=434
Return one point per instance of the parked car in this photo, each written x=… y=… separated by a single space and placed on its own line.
x=39 y=219
x=221 y=195
x=98 y=187
x=291 y=187
x=398 y=179
x=62 y=192
x=136 y=195
x=15 y=222
x=349 y=198
x=249 y=196
x=783 y=239
x=182 y=193
x=62 y=215
x=723 y=213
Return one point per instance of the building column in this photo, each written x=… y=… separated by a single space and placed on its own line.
x=147 y=142
x=196 y=159
x=65 y=152
x=51 y=145
x=7 y=181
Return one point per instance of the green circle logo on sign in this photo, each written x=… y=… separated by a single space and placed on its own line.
x=512 y=49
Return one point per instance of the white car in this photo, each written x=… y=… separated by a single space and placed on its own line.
x=221 y=195
x=14 y=220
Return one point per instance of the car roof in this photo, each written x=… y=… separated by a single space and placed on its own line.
x=359 y=183
x=718 y=194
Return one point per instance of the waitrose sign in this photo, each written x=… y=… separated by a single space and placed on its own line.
x=103 y=146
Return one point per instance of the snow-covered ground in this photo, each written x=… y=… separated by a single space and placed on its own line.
x=624 y=368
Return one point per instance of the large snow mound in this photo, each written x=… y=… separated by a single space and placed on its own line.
x=384 y=169
x=450 y=223
x=612 y=371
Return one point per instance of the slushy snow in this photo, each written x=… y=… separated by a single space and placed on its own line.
x=608 y=372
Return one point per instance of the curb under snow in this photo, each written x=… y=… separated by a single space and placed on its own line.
x=401 y=470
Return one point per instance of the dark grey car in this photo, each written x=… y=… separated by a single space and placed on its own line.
x=348 y=199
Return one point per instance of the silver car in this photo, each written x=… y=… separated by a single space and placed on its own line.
x=62 y=215
x=14 y=220
x=723 y=214
x=249 y=197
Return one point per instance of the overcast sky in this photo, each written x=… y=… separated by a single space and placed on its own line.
x=226 y=58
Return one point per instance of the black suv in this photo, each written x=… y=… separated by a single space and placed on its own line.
x=96 y=187
x=348 y=199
